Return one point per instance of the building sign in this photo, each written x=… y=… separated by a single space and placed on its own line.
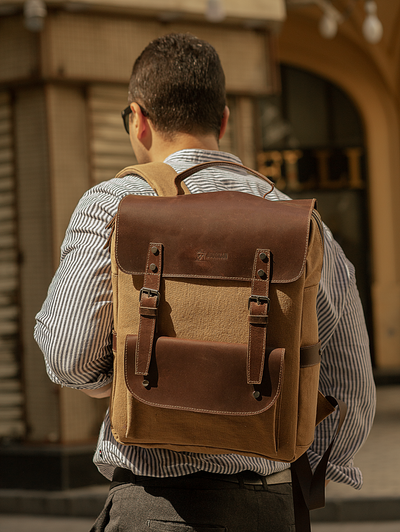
x=300 y=170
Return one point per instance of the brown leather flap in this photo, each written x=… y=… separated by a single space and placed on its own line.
x=203 y=377
x=213 y=235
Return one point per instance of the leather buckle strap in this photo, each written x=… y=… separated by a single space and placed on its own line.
x=149 y=293
x=260 y=300
x=258 y=304
x=149 y=300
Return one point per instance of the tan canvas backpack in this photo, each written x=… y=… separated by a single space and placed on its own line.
x=216 y=345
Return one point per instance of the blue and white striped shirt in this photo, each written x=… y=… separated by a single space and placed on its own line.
x=74 y=331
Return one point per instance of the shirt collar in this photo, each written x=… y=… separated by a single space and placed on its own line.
x=200 y=156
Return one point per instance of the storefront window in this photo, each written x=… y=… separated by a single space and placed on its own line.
x=311 y=144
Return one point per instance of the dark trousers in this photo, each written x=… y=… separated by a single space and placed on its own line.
x=197 y=503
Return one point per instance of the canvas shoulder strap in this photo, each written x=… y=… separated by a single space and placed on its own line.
x=166 y=182
x=160 y=176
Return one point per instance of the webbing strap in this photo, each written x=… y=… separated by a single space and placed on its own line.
x=229 y=164
x=309 y=488
x=166 y=182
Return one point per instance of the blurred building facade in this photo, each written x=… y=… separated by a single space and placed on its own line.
x=319 y=116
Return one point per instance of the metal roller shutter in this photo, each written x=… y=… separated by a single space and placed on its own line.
x=11 y=397
x=109 y=144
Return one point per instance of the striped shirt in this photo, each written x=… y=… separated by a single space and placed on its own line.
x=74 y=327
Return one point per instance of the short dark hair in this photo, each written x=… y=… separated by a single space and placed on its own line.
x=179 y=81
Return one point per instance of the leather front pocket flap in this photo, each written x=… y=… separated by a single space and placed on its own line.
x=202 y=376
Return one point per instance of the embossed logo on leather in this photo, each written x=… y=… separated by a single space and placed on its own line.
x=212 y=255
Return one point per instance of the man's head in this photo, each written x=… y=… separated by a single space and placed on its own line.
x=179 y=82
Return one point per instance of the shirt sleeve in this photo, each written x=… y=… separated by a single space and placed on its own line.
x=346 y=371
x=74 y=326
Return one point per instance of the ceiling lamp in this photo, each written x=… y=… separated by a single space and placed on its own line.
x=331 y=18
x=215 y=11
x=34 y=12
x=372 y=26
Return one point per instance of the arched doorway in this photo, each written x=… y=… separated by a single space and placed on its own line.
x=311 y=143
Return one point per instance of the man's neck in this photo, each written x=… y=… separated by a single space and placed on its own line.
x=162 y=148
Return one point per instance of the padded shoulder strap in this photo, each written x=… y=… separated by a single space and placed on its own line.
x=160 y=176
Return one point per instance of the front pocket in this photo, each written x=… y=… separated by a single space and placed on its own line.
x=198 y=376
x=172 y=410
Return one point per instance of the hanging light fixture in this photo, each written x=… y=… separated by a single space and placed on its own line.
x=215 y=11
x=34 y=12
x=328 y=27
x=331 y=18
x=372 y=27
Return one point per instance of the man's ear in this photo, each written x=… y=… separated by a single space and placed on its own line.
x=139 y=124
x=224 y=122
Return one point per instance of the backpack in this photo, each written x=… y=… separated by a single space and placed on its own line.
x=215 y=337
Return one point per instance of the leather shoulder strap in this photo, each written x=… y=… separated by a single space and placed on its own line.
x=186 y=173
x=166 y=182
x=160 y=176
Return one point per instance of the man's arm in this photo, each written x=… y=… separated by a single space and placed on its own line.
x=346 y=371
x=73 y=328
x=99 y=393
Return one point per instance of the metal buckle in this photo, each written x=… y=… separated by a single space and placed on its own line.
x=260 y=300
x=151 y=293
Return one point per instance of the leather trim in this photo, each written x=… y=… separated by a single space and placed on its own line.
x=228 y=164
x=258 y=308
x=212 y=236
x=205 y=377
x=310 y=355
x=148 y=308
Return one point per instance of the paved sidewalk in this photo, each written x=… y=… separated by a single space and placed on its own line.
x=12 y=523
x=379 y=499
x=30 y=523
x=381 y=526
